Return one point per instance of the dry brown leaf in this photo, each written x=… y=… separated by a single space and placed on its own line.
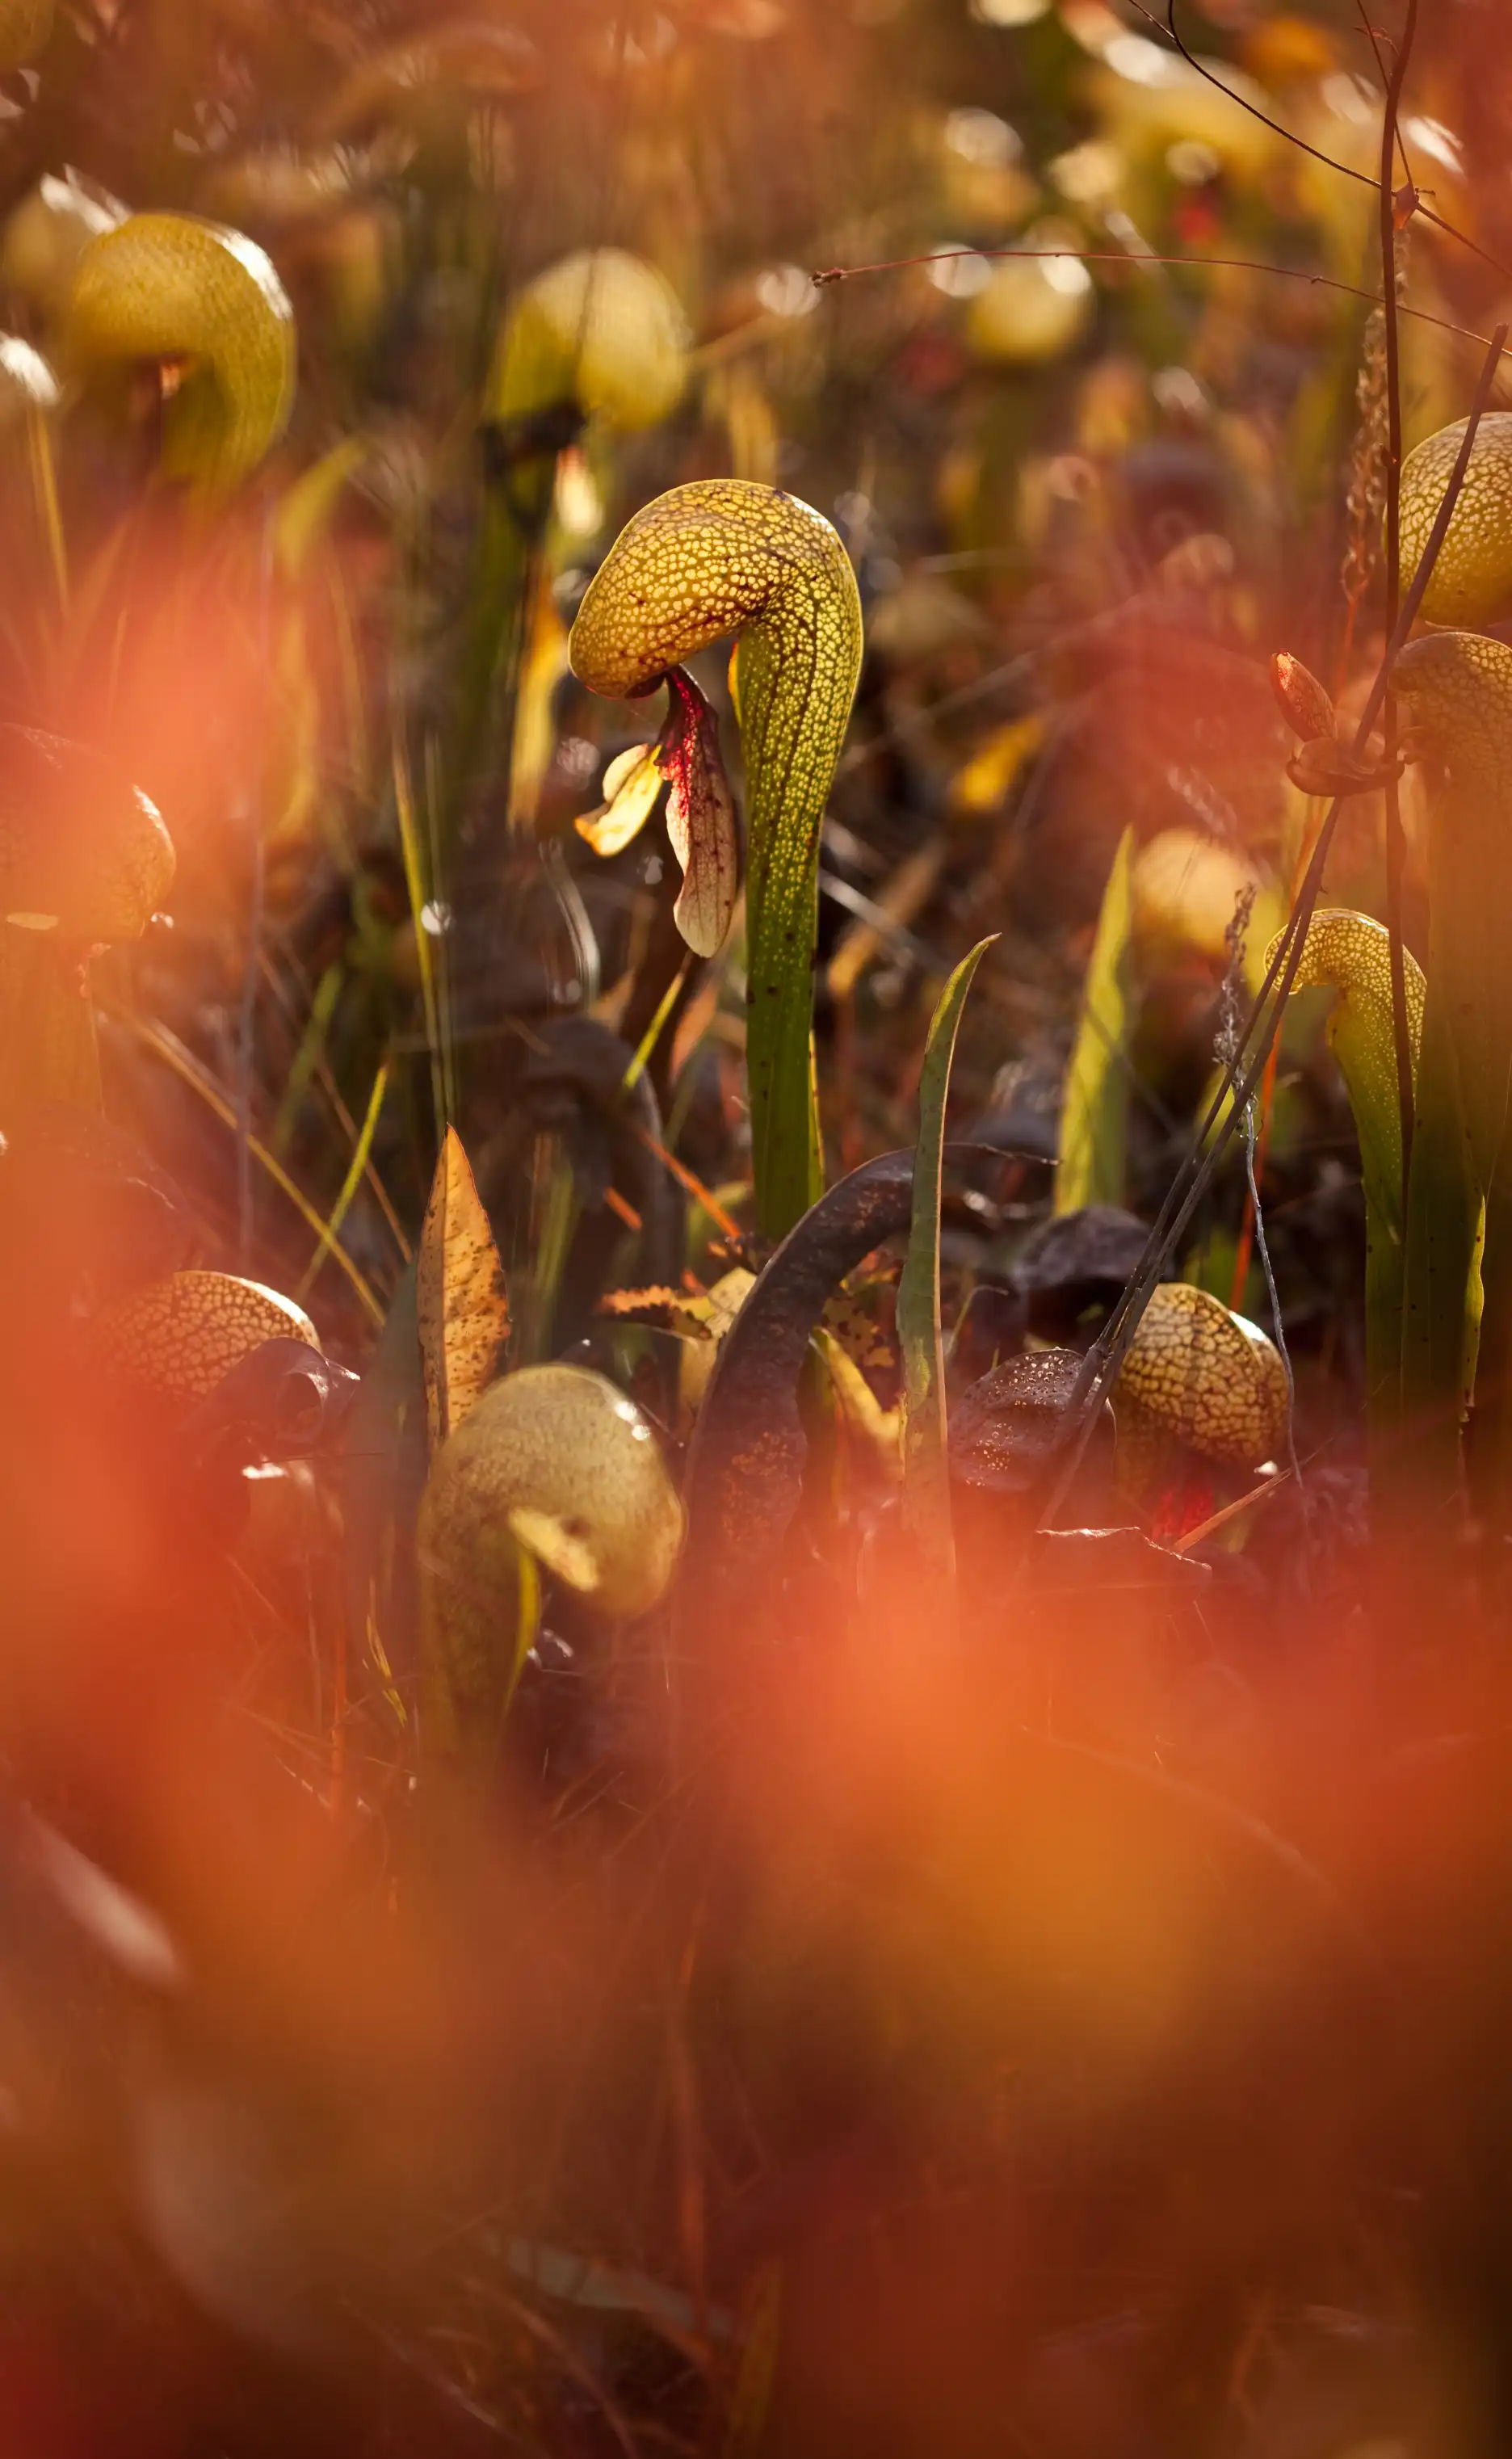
x=461 y=1302
x=690 y=1313
x=1300 y=696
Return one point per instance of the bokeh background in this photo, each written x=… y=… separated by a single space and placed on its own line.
x=1085 y=2038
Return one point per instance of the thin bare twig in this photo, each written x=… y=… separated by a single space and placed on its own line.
x=1345 y=169
x=1168 y=27
x=827 y=275
x=1375 y=38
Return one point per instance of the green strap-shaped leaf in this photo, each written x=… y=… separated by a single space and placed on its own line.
x=383 y=1471
x=1349 y=954
x=925 y=1478
x=1094 y=1116
x=1456 y=689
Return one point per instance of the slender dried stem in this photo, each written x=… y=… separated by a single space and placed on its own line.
x=828 y=275
x=1345 y=169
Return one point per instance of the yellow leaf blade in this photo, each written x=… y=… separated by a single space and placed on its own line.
x=632 y=783
x=461 y=1302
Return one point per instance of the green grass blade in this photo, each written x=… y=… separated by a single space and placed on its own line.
x=382 y=1471
x=1441 y=1292
x=167 y=1047
x=1094 y=1118
x=308 y=1057
x=926 y=1479
x=654 y=1030
x=361 y=1153
x=414 y=882
x=1349 y=954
